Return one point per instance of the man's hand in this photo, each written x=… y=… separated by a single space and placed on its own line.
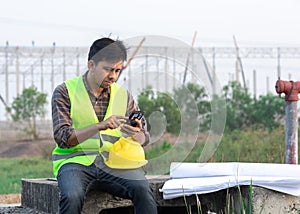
x=112 y=122
x=134 y=131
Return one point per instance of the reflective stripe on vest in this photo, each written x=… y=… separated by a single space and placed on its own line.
x=106 y=138
x=83 y=115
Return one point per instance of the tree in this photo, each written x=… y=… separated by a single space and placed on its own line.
x=270 y=111
x=182 y=109
x=267 y=112
x=26 y=108
x=169 y=108
x=195 y=106
x=239 y=105
x=162 y=102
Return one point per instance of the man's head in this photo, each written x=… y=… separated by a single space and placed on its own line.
x=106 y=49
x=105 y=62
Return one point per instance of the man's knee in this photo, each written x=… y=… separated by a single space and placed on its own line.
x=73 y=196
x=142 y=188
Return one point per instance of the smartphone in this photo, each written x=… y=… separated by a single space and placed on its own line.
x=135 y=115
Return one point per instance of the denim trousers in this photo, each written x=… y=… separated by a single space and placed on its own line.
x=75 y=179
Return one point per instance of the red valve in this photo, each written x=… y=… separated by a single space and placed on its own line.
x=289 y=88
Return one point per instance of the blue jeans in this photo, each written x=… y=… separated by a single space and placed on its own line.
x=74 y=180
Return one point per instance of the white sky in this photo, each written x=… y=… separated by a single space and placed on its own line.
x=70 y=22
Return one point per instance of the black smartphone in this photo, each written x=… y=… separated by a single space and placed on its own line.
x=135 y=115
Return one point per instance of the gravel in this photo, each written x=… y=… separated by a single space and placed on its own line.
x=5 y=209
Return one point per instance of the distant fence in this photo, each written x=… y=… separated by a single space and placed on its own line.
x=11 y=131
x=46 y=67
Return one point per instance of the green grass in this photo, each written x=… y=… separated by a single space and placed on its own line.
x=252 y=146
x=241 y=145
x=259 y=146
x=13 y=170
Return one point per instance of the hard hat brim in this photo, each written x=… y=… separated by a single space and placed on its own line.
x=132 y=165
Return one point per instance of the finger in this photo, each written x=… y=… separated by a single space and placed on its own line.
x=139 y=123
x=130 y=130
x=121 y=121
x=112 y=124
x=125 y=129
x=118 y=117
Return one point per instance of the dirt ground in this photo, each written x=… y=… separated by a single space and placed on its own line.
x=10 y=199
x=15 y=144
x=25 y=148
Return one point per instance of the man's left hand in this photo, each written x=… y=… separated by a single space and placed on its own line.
x=134 y=132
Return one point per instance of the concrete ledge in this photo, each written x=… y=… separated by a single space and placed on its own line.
x=269 y=201
x=43 y=195
x=40 y=194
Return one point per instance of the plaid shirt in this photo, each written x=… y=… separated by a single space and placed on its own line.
x=62 y=121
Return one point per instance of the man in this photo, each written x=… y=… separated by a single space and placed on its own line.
x=89 y=114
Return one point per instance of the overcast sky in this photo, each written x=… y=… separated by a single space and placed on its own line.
x=70 y=22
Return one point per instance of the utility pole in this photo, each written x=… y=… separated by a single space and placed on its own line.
x=254 y=84
x=214 y=71
x=17 y=72
x=278 y=64
x=52 y=67
x=268 y=85
x=129 y=78
x=174 y=70
x=188 y=58
x=157 y=69
x=42 y=72
x=32 y=76
x=64 y=66
x=166 y=70
x=147 y=69
x=239 y=62
x=77 y=65
x=6 y=73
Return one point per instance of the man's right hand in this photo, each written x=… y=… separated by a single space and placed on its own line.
x=112 y=122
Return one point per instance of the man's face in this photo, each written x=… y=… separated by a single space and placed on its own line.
x=105 y=73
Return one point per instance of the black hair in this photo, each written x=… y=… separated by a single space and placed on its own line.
x=107 y=49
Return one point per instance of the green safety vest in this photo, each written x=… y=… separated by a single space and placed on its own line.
x=83 y=115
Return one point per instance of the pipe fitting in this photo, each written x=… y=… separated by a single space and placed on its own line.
x=289 y=88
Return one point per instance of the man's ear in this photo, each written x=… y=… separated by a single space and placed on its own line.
x=91 y=65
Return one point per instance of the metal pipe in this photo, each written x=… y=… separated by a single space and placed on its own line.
x=291 y=90
x=291 y=133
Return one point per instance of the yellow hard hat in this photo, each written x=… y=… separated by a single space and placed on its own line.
x=126 y=154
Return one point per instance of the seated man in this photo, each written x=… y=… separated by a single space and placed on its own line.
x=89 y=114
